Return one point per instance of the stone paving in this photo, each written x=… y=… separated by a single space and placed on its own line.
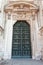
x=22 y=62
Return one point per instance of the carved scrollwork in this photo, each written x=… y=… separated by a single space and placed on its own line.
x=21 y=16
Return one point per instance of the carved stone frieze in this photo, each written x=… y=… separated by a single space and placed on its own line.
x=21 y=10
x=21 y=16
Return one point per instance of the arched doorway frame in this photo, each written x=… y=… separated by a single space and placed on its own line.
x=32 y=35
x=30 y=18
x=7 y=39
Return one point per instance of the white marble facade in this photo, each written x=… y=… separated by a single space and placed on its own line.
x=6 y=28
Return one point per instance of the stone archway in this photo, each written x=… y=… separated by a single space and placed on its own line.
x=21 y=11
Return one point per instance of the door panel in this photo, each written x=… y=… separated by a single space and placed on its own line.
x=21 y=41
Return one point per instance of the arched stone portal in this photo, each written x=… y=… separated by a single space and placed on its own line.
x=21 y=41
x=20 y=11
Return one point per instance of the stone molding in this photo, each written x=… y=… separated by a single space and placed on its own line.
x=21 y=10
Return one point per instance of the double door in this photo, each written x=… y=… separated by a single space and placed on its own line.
x=21 y=43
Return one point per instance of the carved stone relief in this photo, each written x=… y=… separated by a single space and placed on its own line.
x=22 y=16
x=21 y=11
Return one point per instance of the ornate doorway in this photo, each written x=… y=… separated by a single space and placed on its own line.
x=20 y=10
x=21 y=41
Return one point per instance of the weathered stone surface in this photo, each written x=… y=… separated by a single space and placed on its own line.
x=22 y=62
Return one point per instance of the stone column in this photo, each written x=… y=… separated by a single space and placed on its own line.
x=35 y=40
x=8 y=36
x=2 y=20
x=33 y=36
x=38 y=47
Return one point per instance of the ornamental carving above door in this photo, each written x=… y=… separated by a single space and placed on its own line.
x=21 y=10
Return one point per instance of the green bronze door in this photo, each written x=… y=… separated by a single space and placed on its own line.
x=21 y=41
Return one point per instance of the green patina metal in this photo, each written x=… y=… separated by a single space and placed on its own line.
x=21 y=41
